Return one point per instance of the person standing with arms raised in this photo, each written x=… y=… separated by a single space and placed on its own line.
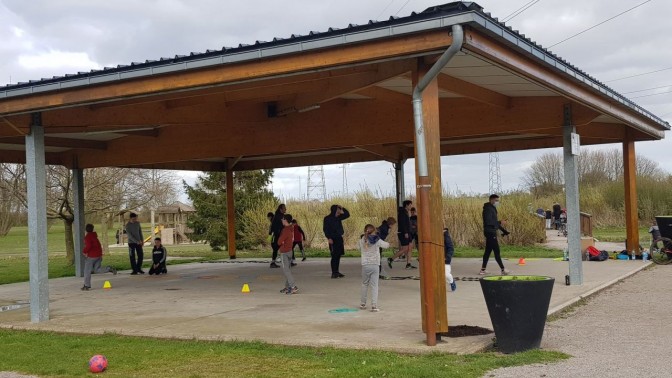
x=333 y=231
x=135 y=243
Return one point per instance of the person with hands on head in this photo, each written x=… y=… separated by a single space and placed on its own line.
x=491 y=225
x=332 y=227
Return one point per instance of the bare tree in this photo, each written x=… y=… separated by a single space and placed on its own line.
x=10 y=207
x=546 y=175
x=106 y=190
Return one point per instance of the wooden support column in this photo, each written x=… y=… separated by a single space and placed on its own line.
x=230 y=215
x=630 y=180
x=430 y=216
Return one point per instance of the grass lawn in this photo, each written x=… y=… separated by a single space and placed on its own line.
x=617 y=234
x=14 y=268
x=62 y=355
x=14 y=254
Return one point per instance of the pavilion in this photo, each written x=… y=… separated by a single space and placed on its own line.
x=449 y=80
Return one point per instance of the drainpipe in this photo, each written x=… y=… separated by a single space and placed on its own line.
x=423 y=176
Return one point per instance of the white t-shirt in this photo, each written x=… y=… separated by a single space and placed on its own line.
x=371 y=253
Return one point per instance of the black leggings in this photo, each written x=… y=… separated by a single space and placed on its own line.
x=300 y=244
x=491 y=244
x=337 y=250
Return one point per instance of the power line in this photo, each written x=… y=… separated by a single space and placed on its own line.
x=520 y=10
x=402 y=7
x=648 y=89
x=384 y=9
x=596 y=25
x=653 y=94
x=637 y=75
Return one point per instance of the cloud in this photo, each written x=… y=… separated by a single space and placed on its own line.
x=43 y=38
x=54 y=59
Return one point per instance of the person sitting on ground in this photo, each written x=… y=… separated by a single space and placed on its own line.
x=369 y=246
x=93 y=253
x=285 y=242
x=299 y=237
x=159 y=255
x=449 y=250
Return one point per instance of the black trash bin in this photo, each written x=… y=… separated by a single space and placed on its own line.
x=517 y=306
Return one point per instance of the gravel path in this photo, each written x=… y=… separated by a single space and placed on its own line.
x=622 y=332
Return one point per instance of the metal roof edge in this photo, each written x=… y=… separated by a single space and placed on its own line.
x=263 y=50
x=495 y=28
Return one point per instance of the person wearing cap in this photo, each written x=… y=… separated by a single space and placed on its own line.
x=135 y=243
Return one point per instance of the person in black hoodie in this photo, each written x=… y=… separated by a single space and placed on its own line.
x=404 y=235
x=276 y=229
x=491 y=225
x=333 y=231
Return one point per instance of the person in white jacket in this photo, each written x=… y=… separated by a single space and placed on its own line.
x=369 y=245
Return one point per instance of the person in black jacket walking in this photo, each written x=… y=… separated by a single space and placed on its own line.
x=333 y=231
x=404 y=234
x=276 y=229
x=491 y=225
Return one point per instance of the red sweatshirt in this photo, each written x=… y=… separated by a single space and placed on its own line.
x=92 y=247
x=286 y=239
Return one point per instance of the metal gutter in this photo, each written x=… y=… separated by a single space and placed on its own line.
x=424 y=185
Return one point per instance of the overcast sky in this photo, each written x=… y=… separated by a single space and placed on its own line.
x=43 y=38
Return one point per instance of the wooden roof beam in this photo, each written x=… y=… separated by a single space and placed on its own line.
x=472 y=91
x=389 y=153
x=61 y=142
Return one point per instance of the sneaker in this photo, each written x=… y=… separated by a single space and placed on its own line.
x=453 y=286
x=113 y=270
x=389 y=262
x=303 y=259
x=141 y=271
x=409 y=266
x=381 y=277
x=505 y=272
x=362 y=306
x=86 y=288
x=340 y=275
x=335 y=275
x=274 y=265
x=482 y=272
x=374 y=309
x=294 y=290
x=134 y=273
x=293 y=264
x=284 y=290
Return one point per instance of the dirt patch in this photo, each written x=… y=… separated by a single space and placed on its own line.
x=465 y=331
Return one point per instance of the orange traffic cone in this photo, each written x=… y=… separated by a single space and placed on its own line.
x=521 y=261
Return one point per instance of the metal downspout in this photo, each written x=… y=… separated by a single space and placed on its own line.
x=424 y=185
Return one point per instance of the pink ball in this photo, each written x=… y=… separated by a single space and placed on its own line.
x=98 y=363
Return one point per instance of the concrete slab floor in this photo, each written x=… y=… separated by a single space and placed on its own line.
x=204 y=301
